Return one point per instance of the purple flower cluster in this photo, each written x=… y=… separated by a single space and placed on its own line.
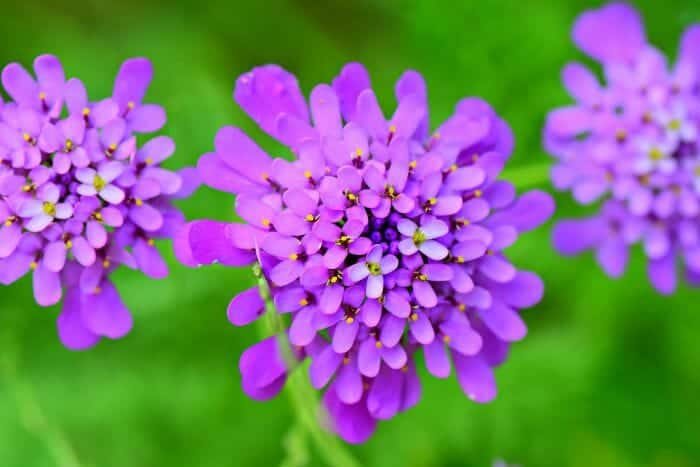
x=632 y=144
x=378 y=241
x=79 y=197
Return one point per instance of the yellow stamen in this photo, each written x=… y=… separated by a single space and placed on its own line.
x=97 y=216
x=42 y=96
x=446 y=339
x=303 y=302
x=266 y=222
x=478 y=193
x=620 y=135
x=461 y=307
x=49 y=208
x=674 y=124
x=475 y=158
x=86 y=112
x=138 y=201
x=436 y=135
x=294 y=256
x=99 y=183
x=413 y=316
x=27 y=137
x=453 y=167
x=131 y=105
x=151 y=242
x=307 y=174
x=349 y=320
x=33 y=265
x=459 y=259
x=69 y=244
x=346 y=360
x=359 y=152
x=69 y=145
x=149 y=161
x=378 y=345
x=432 y=201
x=97 y=290
x=106 y=263
x=310 y=218
x=392 y=129
x=264 y=176
x=413 y=164
x=656 y=154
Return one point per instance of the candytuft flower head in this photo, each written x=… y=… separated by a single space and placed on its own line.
x=632 y=144
x=378 y=241
x=78 y=197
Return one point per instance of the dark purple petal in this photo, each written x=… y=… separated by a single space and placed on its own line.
x=475 y=377
x=245 y=307
x=72 y=331
x=104 y=313
x=324 y=366
x=262 y=368
x=353 y=422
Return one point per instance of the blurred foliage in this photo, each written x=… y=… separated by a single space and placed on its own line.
x=609 y=375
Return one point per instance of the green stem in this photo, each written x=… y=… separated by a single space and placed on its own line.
x=303 y=397
x=35 y=420
x=528 y=176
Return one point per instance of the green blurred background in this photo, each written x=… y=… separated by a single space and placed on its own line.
x=608 y=376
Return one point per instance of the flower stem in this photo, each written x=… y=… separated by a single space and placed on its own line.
x=528 y=176
x=302 y=396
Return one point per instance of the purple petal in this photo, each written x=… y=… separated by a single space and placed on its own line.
x=369 y=358
x=353 y=79
x=344 y=336
x=147 y=118
x=302 y=330
x=353 y=423
x=497 y=269
x=397 y=304
x=245 y=307
x=72 y=331
x=384 y=399
x=436 y=360
x=475 y=377
x=47 y=286
x=348 y=384
x=524 y=291
x=375 y=286
x=613 y=33
x=424 y=293
x=104 y=313
x=268 y=91
x=504 y=322
x=324 y=366
x=331 y=299
x=662 y=273
x=286 y=272
x=263 y=370
x=421 y=328
x=10 y=236
x=132 y=81
x=146 y=216
x=149 y=260
x=433 y=250
x=55 y=256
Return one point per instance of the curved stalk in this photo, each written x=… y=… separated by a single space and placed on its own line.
x=303 y=397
